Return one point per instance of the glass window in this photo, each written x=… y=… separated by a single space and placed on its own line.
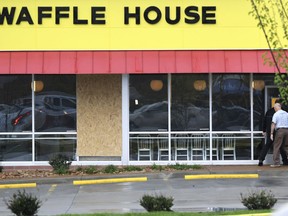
x=55 y=111
x=15 y=103
x=148 y=103
x=69 y=103
x=55 y=103
x=231 y=102
x=48 y=146
x=189 y=136
x=16 y=147
x=190 y=103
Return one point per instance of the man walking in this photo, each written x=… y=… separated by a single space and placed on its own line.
x=266 y=131
x=280 y=123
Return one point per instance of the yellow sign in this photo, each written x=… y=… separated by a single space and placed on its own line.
x=273 y=101
x=128 y=25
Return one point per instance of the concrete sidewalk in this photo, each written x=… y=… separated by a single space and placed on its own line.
x=242 y=171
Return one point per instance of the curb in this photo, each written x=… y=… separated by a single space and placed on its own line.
x=111 y=180
x=204 y=174
x=218 y=176
x=24 y=185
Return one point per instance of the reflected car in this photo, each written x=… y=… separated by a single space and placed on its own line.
x=60 y=111
x=16 y=118
x=151 y=117
x=7 y=114
x=53 y=112
x=154 y=117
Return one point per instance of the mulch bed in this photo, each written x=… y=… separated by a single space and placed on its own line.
x=47 y=172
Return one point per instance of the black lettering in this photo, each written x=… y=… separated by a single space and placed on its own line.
x=96 y=16
x=42 y=15
x=24 y=16
x=168 y=16
x=158 y=15
x=190 y=12
x=6 y=15
x=75 y=17
x=128 y=15
x=206 y=15
x=60 y=15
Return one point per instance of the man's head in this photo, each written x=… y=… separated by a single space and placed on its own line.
x=277 y=106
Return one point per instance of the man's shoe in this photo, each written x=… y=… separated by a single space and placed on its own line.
x=285 y=163
x=260 y=163
x=275 y=165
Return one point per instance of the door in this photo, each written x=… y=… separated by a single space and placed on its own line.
x=271 y=94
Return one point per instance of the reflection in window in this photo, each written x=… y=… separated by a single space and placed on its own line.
x=190 y=103
x=15 y=103
x=15 y=149
x=231 y=102
x=55 y=111
x=260 y=81
x=190 y=112
x=148 y=103
x=55 y=104
x=47 y=148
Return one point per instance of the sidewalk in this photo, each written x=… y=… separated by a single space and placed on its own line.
x=262 y=171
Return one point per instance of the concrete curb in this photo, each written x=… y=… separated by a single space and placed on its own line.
x=207 y=172
x=24 y=185
x=218 y=176
x=111 y=180
x=115 y=179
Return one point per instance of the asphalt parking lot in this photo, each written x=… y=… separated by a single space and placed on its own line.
x=215 y=191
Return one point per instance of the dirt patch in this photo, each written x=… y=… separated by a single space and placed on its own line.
x=47 y=172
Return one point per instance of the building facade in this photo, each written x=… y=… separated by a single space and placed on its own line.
x=166 y=84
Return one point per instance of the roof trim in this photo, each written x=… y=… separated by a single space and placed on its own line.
x=133 y=62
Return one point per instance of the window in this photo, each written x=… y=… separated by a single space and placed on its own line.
x=190 y=103
x=55 y=111
x=194 y=117
x=51 y=114
x=51 y=111
x=231 y=102
x=148 y=103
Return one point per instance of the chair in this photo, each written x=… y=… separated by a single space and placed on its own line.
x=228 y=146
x=198 y=143
x=215 y=148
x=163 y=147
x=144 y=143
x=181 y=147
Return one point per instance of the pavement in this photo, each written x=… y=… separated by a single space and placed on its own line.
x=208 y=171
x=61 y=196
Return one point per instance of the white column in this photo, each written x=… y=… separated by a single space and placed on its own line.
x=125 y=119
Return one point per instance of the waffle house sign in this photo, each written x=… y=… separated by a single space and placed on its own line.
x=124 y=25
